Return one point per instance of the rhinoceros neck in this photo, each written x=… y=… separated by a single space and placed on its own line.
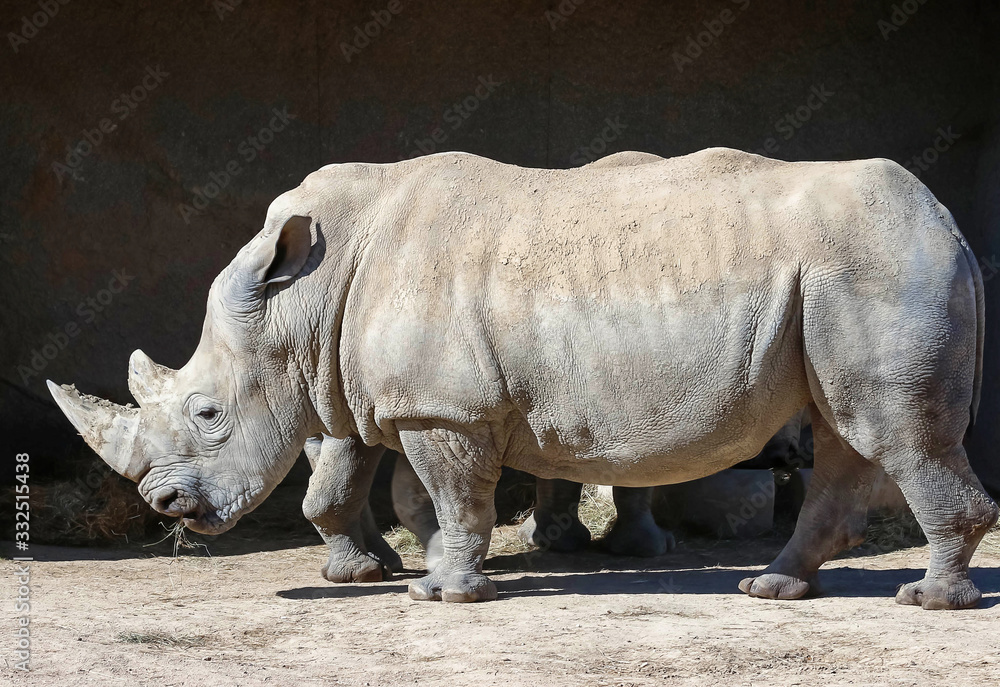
x=311 y=323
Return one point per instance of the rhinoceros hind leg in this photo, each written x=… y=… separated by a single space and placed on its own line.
x=555 y=524
x=954 y=512
x=635 y=532
x=460 y=470
x=834 y=517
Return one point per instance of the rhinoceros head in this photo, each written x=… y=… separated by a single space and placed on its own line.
x=210 y=441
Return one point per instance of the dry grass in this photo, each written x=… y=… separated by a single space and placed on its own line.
x=403 y=540
x=505 y=541
x=892 y=532
x=178 y=532
x=991 y=542
x=596 y=512
x=160 y=639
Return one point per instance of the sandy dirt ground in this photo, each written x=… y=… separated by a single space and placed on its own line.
x=252 y=617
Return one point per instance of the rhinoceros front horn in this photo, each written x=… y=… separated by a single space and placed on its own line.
x=108 y=428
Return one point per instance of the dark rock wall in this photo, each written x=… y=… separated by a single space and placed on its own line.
x=182 y=101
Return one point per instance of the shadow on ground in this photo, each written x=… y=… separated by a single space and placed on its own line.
x=836 y=582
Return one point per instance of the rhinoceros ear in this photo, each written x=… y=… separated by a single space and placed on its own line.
x=272 y=257
x=285 y=255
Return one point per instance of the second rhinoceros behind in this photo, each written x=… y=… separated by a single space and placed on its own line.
x=626 y=325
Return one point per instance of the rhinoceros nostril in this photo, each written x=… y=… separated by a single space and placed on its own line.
x=163 y=499
x=171 y=502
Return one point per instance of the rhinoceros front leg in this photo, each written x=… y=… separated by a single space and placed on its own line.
x=337 y=505
x=635 y=532
x=377 y=546
x=555 y=523
x=460 y=469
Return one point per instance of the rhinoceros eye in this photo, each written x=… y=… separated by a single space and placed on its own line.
x=208 y=414
x=207 y=418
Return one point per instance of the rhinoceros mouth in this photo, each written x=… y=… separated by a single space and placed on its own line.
x=209 y=519
x=208 y=523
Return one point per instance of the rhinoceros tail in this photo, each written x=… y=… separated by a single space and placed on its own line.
x=977 y=280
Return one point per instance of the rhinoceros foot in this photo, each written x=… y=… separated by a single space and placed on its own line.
x=379 y=549
x=386 y=555
x=641 y=537
x=456 y=587
x=563 y=533
x=359 y=567
x=934 y=594
x=777 y=586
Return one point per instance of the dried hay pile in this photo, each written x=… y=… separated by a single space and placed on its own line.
x=101 y=509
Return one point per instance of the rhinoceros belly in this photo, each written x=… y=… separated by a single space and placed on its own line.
x=639 y=390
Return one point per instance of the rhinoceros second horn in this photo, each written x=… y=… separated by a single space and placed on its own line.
x=148 y=381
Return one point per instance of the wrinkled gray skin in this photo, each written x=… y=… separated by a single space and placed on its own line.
x=337 y=504
x=631 y=326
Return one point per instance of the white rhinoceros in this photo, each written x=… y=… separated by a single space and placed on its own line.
x=633 y=326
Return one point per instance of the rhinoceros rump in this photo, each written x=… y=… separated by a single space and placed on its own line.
x=627 y=325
